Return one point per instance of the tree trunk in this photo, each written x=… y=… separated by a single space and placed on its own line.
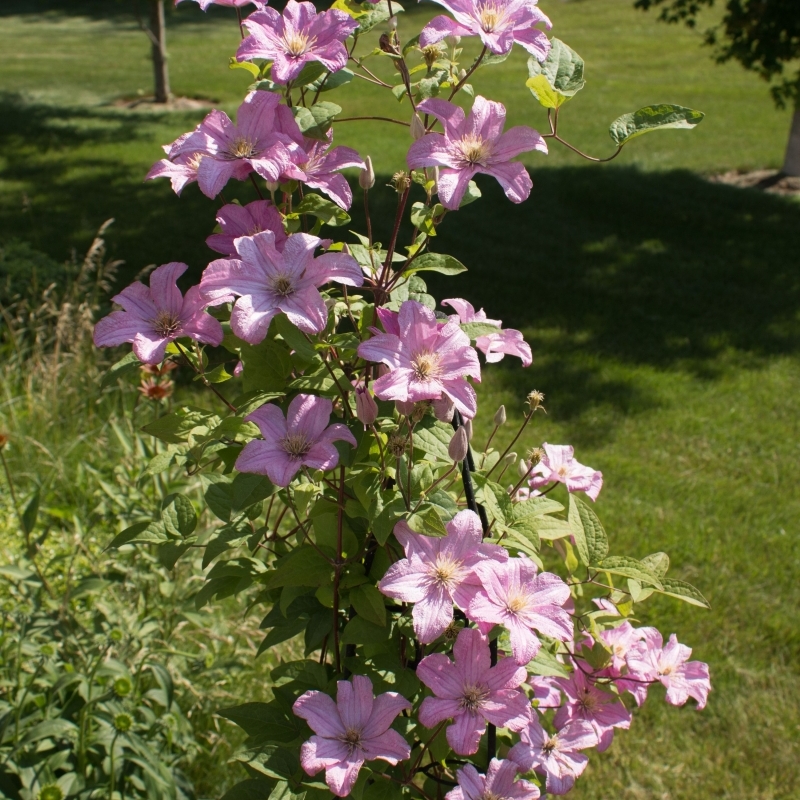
x=791 y=164
x=158 y=29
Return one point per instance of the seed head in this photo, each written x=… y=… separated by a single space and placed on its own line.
x=397 y=444
x=535 y=400
x=401 y=181
x=535 y=455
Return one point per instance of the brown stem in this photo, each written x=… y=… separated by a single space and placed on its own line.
x=378 y=119
x=472 y=69
x=525 y=422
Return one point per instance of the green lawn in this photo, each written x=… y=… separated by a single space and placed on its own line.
x=664 y=313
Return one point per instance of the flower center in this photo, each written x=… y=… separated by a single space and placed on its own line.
x=425 y=366
x=283 y=286
x=166 y=323
x=516 y=603
x=473 y=697
x=445 y=570
x=664 y=671
x=296 y=445
x=242 y=148
x=297 y=43
x=550 y=745
x=194 y=161
x=491 y=17
x=254 y=230
x=352 y=738
x=588 y=702
x=474 y=149
x=563 y=471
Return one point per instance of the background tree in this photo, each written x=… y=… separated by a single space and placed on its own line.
x=156 y=31
x=763 y=36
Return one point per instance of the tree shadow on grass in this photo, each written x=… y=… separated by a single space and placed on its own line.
x=607 y=270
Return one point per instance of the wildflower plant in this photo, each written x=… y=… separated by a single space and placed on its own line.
x=463 y=631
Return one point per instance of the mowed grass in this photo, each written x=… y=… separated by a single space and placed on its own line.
x=663 y=311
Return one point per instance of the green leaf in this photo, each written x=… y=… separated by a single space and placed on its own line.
x=471 y=195
x=630 y=568
x=433 y=438
x=30 y=513
x=658 y=563
x=304 y=566
x=684 y=591
x=331 y=80
x=252 y=68
x=267 y=720
x=368 y=603
x=476 y=329
x=558 y=78
x=49 y=729
x=535 y=507
x=376 y=14
x=323 y=209
x=591 y=540
x=435 y=262
x=545 y=663
x=497 y=502
x=248 y=489
x=315 y=122
x=250 y=789
x=651 y=118
x=266 y=366
x=271 y=760
x=128 y=363
x=526 y=537
x=361 y=631
x=310 y=72
x=141 y=533
x=178 y=515
x=428 y=521
x=174 y=428
x=218 y=497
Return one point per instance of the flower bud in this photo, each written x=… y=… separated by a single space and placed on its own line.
x=462 y=74
x=468 y=426
x=366 y=178
x=417 y=128
x=459 y=444
x=508 y=460
x=273 y=186
x=522 y=468
x=453 y=41
x=500 y=416
x=366 y=407
x=393 y=23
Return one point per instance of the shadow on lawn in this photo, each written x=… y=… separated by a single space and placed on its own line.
x=601 y=267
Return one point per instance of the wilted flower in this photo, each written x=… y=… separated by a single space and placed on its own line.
x=472 y=692
x=499 y=23
x=299 y=35
x=302 y=438
x=156 y=390
x=153 y=317
x=350 y=731
x=472 y=145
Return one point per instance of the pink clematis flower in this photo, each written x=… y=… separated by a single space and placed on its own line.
x=623 y=641
x=316 y=163
x=559 y=465
x=585 y=701
x=302 y=438
x=350 y=731
x=223 y=150
x=472 y=145
x=471 y=692
x=499 y=23
x=558 y=756
x=438 y=572
x=497 y=784
x=248 y=220
x=153 y=317
x=298 y=36
x=180 y=166
x=545 y=691
x=494 y=345
x=671 y=666
x=515 y=596
x=268 y=281
x=426 y=360
x=206 y=4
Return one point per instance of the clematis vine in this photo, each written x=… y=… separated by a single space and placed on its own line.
x=499 y=24
x=439 y=572
x=558 y=465
x=427 y=360
x=299 y=35
x=472 y=692
x=268 y=281
x=154 y=316
x=236 y=221
x=498 y=783
x=354 y=729
x=493 y=345
x=514 y=595
x=556 y=756
x=303 y=438
x=472 y=145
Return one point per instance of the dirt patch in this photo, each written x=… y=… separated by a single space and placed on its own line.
x=766 y=180
x=149 y=104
